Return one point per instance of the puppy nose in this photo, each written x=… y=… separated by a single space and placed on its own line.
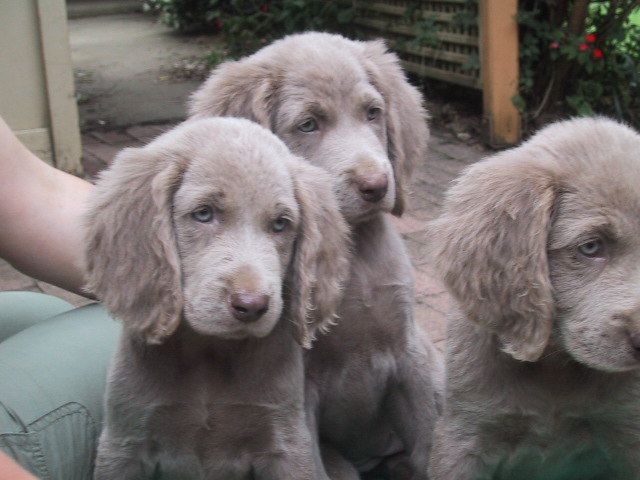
x=373 y=187
x=635 y=340
x=248 y=307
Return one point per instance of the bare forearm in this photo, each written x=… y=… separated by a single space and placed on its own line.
x=9 y=470
x=40 y=215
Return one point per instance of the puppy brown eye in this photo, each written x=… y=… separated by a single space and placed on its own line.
x=592 y=248
x=308 y=125
x=373 y=113
x=202 y=214
x=280 y=224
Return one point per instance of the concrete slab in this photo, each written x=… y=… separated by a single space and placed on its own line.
x=123 y=69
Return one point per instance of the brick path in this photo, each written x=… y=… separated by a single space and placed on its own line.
x=447 y=157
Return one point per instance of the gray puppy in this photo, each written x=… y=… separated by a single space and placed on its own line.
x=540 y=248
x=207 y=245
x=346 y=106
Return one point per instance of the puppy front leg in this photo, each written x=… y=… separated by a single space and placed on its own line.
x=118 y=459
x=291 y=465
x=295 y=460
x=454 y=455
x=336 y=466
x=329 y=463
x=414 y=404
x=311 y=418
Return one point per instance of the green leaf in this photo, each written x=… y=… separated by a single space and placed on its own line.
x=519 y=102
x=580 y=105
x=346 y=16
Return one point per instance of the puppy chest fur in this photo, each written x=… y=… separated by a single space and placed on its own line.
x=236 y=405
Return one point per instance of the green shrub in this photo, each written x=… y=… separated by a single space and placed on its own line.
x=190 y=15
x=256 y=23
x=580 y=57
x=249 y=24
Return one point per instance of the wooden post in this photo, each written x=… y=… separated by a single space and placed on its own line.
x=499 y=70
x=58 y=71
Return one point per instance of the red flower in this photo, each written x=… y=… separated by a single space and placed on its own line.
x=218 y=24
x=264 y=8
x=591 y=38
x=583 y=47
x=554 y=45
x=597 y=53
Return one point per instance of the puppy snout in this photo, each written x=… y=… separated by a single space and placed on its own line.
x=373 y=187
x=248 y=307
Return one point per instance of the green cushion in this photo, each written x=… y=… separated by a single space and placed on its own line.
x=20 y=310
x=52 y=382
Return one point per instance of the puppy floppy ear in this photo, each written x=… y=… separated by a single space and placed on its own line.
x=491 y=247
x=406 y=119
x=131 y=258
x=240 y=88
x=320 y=263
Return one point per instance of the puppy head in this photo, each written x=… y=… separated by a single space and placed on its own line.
x=205 y=225
x=543 y=236
x=594 y=245
x=345 y=106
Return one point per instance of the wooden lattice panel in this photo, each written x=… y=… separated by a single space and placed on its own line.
x=450 y=49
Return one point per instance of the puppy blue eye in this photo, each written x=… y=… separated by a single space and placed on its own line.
x=308 y=125
x=373 y=113
x=202 y=214
x=592 y=248
x=280 y=224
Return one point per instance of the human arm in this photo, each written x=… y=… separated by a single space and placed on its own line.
x=40 y=215
x=9 y=470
